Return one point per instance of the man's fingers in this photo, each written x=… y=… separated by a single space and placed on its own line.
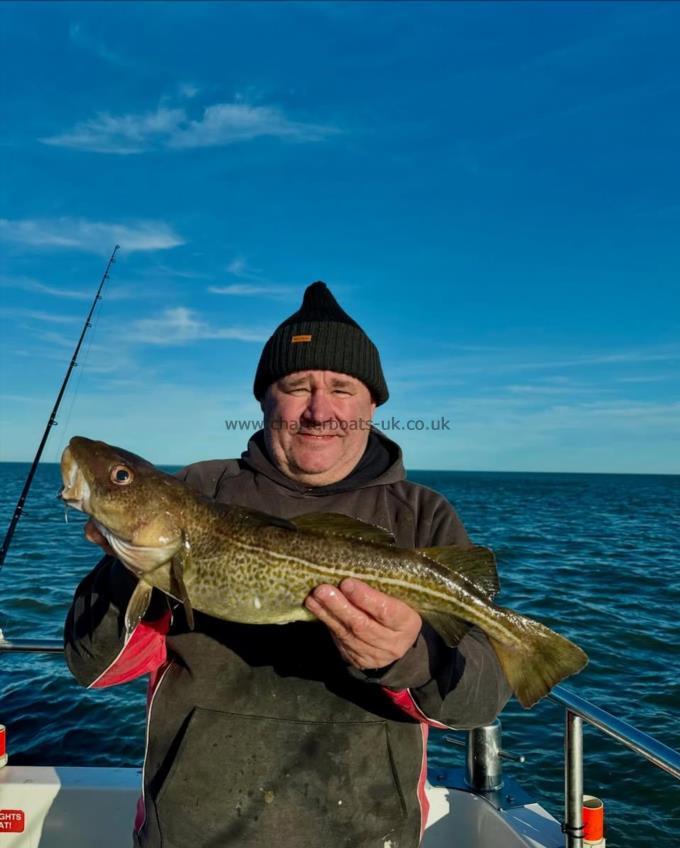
x=327 y=607
x=388 y=611
x=361 y=659
x=353 y=648
x=350 y=622
x=361 y=640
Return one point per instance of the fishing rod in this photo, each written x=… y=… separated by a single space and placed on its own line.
x=53 y=417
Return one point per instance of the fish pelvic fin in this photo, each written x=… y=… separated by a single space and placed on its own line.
x=137 y=607
x=476 y=563
x=336 y=524
x=539 y=662
x=177 y=588
x=450 y=628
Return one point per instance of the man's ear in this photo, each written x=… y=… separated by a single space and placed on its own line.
x=266 y=398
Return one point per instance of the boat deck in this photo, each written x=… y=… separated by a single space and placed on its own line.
x=45 y=807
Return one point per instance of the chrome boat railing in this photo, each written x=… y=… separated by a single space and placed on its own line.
x=31 y=646
x=578 y=710
x=483 y=772
x=484 y=748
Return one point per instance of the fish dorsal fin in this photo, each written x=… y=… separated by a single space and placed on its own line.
x=476 y=563
x=177 y=588
x=342 y=525
x=451 y=629
x=255 y=519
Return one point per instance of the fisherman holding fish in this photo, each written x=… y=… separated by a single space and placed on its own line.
x=264 y=728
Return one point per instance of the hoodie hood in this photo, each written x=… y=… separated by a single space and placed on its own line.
x=381 y=463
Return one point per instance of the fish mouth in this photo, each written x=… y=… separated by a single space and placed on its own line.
x=76 y=490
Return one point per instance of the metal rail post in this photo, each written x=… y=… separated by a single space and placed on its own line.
x=573 y=781
x=484 y=772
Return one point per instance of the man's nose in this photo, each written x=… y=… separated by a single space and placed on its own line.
x=319 y=408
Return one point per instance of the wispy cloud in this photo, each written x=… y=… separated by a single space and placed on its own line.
x=56 y=339
x=180 y=325
x=512 y=433
x=168 y=271
x=188 y=90
x=96 y=358
x=253 y=283
x=172 y=128
x=544 y=390
x=501 y=362
x=122 y=134
x=254 y=290
x=90 y=236
x=86 y=41
x=22 y=399
x=647 y=378
x=52 y=291
x=117 y=292
x=224 y=123
x=240 y=268
x=36 y=315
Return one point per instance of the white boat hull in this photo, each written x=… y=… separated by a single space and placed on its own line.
x=45 y=807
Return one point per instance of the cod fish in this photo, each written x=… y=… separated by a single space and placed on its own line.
x=245 y=566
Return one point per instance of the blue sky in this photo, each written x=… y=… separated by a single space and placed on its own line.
x=491 y=190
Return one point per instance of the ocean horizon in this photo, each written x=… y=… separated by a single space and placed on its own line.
x=173 y=466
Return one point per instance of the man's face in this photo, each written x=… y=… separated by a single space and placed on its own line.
x=316 y=425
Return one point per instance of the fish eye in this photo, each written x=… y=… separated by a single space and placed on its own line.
x=121 y=475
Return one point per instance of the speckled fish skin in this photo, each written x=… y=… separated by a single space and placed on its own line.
x=262 y=575
x=248 y=567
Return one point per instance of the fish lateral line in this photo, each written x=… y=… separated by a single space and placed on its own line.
x=454 y=607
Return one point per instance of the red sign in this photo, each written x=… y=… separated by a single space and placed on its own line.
x=12 y=821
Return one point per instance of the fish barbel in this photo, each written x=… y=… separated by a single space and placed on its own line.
x=242 y=565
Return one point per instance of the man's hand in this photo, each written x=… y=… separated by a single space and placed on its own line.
x=371 y=629
x=93 y=535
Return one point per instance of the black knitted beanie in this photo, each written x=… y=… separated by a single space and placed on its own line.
x=321 y=336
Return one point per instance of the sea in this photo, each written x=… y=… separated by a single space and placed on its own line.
x=594 y=556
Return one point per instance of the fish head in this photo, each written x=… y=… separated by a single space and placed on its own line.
x=137 y=507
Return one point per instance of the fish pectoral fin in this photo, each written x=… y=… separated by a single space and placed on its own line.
x=137 y=607
x=450 y=628
x=342 y=525
x=177 y=587
x=539 y=659
x=476 y=563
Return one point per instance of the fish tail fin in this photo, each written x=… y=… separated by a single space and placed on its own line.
x=541 y=660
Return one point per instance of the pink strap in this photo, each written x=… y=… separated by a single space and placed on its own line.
x=406 y=703
x=143 y=653
x=422 y=791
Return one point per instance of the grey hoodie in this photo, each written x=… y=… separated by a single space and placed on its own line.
x=261 y=735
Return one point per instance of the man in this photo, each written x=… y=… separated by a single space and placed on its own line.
x=304 y=734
